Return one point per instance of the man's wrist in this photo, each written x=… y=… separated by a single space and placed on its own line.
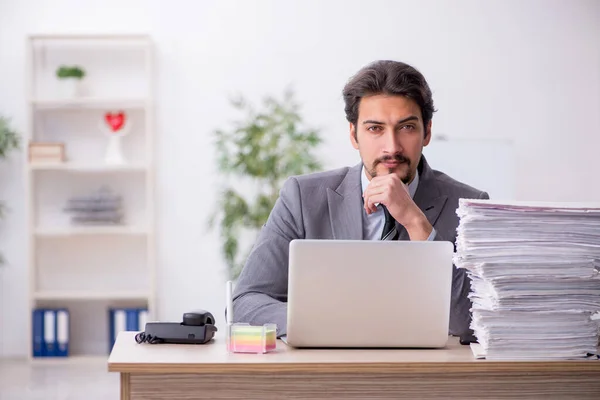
x=419 y=228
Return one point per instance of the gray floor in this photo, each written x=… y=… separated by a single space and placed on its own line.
x=57 y=380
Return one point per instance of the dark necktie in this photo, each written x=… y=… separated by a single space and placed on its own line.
x=389 y=228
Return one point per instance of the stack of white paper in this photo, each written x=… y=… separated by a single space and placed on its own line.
x=535 y=271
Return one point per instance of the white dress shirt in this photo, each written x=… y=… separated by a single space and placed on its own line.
x=373 y=223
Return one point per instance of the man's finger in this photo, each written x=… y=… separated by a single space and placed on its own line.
x=379 y=179
x=370 y=207
x=373 y=200
x=371 y=190
x=385 y=180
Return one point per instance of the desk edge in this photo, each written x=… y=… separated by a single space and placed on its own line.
x=353 y=367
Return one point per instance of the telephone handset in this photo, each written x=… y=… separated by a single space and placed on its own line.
x=197 y=327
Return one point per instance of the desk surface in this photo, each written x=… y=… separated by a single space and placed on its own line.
x=128 y=356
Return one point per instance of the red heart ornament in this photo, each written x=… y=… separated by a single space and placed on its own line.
x=115 y=121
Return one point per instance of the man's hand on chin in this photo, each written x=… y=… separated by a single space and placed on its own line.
x=390 y=191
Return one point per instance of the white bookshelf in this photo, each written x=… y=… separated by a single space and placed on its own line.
x=91 y=230
x=90 y=268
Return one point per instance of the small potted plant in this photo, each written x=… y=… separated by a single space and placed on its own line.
x=70 y=77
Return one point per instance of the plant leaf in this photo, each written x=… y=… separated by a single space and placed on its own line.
x=9 y=138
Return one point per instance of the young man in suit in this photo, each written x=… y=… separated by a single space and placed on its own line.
x=392 y=194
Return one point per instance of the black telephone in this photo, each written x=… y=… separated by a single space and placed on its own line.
x=197 y=327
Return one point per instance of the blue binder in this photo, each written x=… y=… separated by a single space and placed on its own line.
x=125 y=319
x=49 y=346
x=37 y=333
x=132 y=319
x=62 y=332
x=117 y=322
x=50 y=332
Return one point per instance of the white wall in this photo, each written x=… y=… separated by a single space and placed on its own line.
x=523 y=70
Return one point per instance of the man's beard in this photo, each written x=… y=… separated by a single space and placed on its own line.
x=400 y=159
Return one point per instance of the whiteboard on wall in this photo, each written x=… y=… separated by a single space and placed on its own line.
x=486 y=164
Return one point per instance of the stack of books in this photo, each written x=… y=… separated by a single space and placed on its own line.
x=46 y=153
x=102 y=207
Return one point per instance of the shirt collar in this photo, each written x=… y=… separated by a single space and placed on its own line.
x=412 y=187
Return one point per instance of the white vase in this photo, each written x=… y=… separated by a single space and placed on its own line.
x=70 y=87
x=114 y=151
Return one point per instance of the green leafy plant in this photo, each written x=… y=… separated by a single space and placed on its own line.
x=74 y=71
x=9 y=140
x=259 y=152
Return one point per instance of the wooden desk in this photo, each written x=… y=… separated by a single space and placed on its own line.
x=209 y=372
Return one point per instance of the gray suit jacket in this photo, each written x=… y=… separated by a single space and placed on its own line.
x=328 y=205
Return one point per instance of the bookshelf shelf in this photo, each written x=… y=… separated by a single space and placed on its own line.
x=89 y=295
x=90 y=103
x=87 y=168
x=91 y=230
x=72 y=360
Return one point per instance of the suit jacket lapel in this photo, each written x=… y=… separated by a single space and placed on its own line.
x=345 y=207
x=427 y=197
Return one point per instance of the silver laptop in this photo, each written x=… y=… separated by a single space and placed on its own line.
x=371 y=294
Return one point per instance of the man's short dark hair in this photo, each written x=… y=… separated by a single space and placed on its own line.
x=391 y=78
